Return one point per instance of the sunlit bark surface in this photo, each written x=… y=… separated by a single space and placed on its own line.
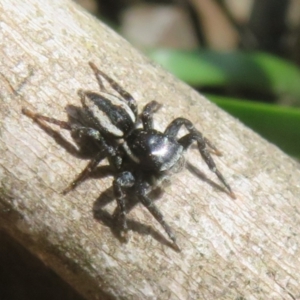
x=243 y=248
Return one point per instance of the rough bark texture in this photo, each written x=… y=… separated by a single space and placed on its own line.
x=247 y=248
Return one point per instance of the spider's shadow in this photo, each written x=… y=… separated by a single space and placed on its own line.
x=109 y=220
x=85 y=148
x=196 y=172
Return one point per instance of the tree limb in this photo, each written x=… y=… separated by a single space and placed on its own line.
x=247 y=248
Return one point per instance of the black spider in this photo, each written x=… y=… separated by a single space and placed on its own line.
x=142 y=157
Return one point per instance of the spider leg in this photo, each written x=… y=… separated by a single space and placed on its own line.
x=147 y=114
x=77 y=129
x=105 y=149
x=174 y=127
x=123 y=180
x=102 y=144
x=36 y=116
x=85 y=173
x=188 y=139
x=142 y=191
x=80 y=130
x=125 y=95
x=213 y=148
x=203 y=144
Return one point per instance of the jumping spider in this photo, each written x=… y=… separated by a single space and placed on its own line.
x=140 y=156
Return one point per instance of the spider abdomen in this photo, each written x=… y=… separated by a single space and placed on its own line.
x=152 y=150
x=108 y=113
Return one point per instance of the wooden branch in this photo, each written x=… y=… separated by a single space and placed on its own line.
x=247 y=248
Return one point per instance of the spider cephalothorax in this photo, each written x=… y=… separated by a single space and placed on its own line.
x=136 y=152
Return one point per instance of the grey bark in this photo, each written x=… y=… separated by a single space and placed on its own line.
x=247 y=248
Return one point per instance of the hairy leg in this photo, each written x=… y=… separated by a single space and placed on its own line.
x=125 y=95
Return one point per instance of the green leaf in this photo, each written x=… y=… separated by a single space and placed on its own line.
x=254 y=71
x=279 y=125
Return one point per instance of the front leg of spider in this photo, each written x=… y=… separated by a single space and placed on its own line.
x=147 y=114
x=203 y=145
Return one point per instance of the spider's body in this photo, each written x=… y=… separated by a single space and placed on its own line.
x=152 y=150
x=136 y=153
